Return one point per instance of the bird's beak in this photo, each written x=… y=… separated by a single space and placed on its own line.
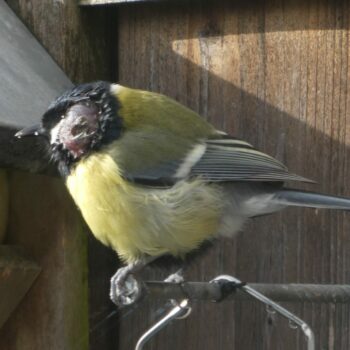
x=35 y=130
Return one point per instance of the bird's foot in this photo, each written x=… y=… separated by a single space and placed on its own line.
x=176 y=277
x=124 y=289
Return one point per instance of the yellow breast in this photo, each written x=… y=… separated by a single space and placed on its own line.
x=138 y=221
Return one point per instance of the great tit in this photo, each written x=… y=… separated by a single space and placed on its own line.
x=151 y=177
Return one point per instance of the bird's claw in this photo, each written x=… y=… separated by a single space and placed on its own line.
x=125 y=289
x=176 y=277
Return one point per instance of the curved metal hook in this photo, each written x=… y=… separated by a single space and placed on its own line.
x=180 y=311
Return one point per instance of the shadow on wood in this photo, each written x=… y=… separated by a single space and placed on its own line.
x=275 y=74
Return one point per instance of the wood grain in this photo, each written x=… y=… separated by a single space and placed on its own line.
x=30 y=77
x=43 y=220
x=4 y=204
x=30 y=81
x=54 y=314
x=77 y=39
x=108 y=2
x=274 y=73
x=17 y=274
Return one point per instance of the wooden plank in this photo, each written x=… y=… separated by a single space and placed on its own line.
x=44 y=221
x=30 y=77
x=274 y=73
x=79 y=40
x=110 y=2
x=54 y=314
x=4 y=204
x=17 y=274
x=30 y=81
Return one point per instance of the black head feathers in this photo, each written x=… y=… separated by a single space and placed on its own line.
x=80 y=121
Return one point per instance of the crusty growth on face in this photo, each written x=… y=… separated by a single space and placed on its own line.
x=80 y=121
x=79 y=130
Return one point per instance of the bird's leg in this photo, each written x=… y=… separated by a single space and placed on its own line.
x=125 y=289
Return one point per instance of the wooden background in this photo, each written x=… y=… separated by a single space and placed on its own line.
x=275 y=73
x=272 y=72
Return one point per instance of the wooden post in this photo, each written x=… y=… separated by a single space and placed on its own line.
x=4 y=204
x=54 y=313
x=17 y=274
x=42 y=217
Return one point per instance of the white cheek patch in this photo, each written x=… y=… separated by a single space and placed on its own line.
x=191 y=159
x=54 y=133
x=115 y=89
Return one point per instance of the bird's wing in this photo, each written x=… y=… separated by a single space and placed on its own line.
x=174 y=143
x=230 y=159
x=217 y=159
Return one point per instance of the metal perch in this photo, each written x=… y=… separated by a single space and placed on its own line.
x=193 y=291
x=313 y=293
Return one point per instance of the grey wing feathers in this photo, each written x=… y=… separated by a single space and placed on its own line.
x=218 y=159
x=230 y=159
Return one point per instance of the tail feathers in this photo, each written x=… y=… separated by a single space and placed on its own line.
x=309 y=199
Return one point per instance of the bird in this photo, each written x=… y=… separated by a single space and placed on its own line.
x=153 y=178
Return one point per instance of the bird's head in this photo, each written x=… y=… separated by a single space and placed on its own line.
x=80 y=121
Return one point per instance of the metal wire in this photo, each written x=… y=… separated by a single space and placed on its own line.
x=262 y=292
x=315 y=293
x=278 y=308
x=180 y=311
